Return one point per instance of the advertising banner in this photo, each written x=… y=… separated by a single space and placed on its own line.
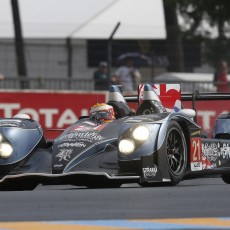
x=53 y=110
x=57 y=110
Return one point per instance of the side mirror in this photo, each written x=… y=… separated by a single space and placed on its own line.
x=189 y=112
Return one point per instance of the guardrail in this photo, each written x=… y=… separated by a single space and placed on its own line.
x=86 y=84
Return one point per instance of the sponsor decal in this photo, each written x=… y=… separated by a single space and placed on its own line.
x=195 y=133
x=225 y=151
x=87 y=127
x=76 y=144
x=82 y=136
x=196 y=166
x=148 y=111
x=195 y=154
x=65 y=154
x=210 y=151
x=214 y=151
x=149 y=172
x=58 y=165
x=215 y=154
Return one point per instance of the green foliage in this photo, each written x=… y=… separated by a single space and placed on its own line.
x=215 y=13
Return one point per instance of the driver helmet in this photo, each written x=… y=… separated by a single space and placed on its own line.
x=102 y=112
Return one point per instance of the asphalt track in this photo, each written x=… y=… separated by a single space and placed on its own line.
x=206 y=201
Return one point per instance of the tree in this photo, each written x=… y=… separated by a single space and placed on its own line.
x=203 y=17
x=174 y=39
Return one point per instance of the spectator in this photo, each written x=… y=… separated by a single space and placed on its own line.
x=101 y=77
x=220 y=77
x=127 y=76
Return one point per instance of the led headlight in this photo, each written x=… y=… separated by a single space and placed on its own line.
x=126 y=146
x=141 y=133
x=6 y=150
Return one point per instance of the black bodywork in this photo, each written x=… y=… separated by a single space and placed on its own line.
x=88 y=153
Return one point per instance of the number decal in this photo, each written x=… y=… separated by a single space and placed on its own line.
x=195 y=154
x=196 y=150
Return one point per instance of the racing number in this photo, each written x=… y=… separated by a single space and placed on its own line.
x=196 y=146
x=196 y=154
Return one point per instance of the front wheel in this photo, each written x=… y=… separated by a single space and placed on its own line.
x=176 y=151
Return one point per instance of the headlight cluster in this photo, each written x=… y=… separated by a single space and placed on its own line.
x=139 y=135
x=6 y=149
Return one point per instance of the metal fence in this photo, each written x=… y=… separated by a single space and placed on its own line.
x=87 y=84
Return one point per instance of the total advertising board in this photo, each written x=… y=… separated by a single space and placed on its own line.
x=53 y=110
x=57 y=110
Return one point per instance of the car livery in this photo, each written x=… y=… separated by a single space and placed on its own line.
x=159 y=143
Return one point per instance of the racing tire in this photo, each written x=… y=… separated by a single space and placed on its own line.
x=176 y=152
x=226 y=178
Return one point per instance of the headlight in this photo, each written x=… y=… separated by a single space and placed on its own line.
x=141 y=133
x=6 y=150
x=126 y=146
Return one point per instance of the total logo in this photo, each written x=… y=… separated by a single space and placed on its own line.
x=51 y=117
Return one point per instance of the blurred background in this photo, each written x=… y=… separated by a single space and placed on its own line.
x=58 y=44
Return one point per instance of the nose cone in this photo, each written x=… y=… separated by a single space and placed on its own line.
x=115 y=94
x=149 y=94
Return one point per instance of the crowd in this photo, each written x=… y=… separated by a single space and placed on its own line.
x=126 y=75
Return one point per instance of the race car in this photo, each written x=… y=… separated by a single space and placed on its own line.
x=159 y=143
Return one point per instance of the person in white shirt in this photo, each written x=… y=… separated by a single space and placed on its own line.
x=127 y=76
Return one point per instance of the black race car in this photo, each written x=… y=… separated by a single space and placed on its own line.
x=152 y=146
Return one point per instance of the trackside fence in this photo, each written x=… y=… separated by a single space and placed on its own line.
x=86 y=84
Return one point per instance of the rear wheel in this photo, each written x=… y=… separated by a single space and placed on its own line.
x=176 y=151
x=226 y=178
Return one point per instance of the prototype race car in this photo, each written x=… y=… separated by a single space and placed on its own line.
x=157 y=144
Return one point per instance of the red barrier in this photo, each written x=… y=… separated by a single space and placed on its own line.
x=208 y=111
x=54 y=110
x=58 y=110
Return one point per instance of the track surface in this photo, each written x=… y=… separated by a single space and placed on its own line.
x=194 y=198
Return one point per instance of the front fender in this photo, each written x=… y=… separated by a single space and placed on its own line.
x=22 y=135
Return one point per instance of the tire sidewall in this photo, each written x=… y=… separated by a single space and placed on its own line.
x=176 y=178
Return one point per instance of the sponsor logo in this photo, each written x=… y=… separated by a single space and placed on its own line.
x=77 y=144
x=92 y=127
x=196 y=166
x=58 y=165
x=84 y=136
x=214 y=151
x=65 y=154
x=225 y=151
x=149 y=172
x=195 y=133
x=210 y=151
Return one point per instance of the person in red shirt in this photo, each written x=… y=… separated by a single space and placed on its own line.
x=220 y=78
